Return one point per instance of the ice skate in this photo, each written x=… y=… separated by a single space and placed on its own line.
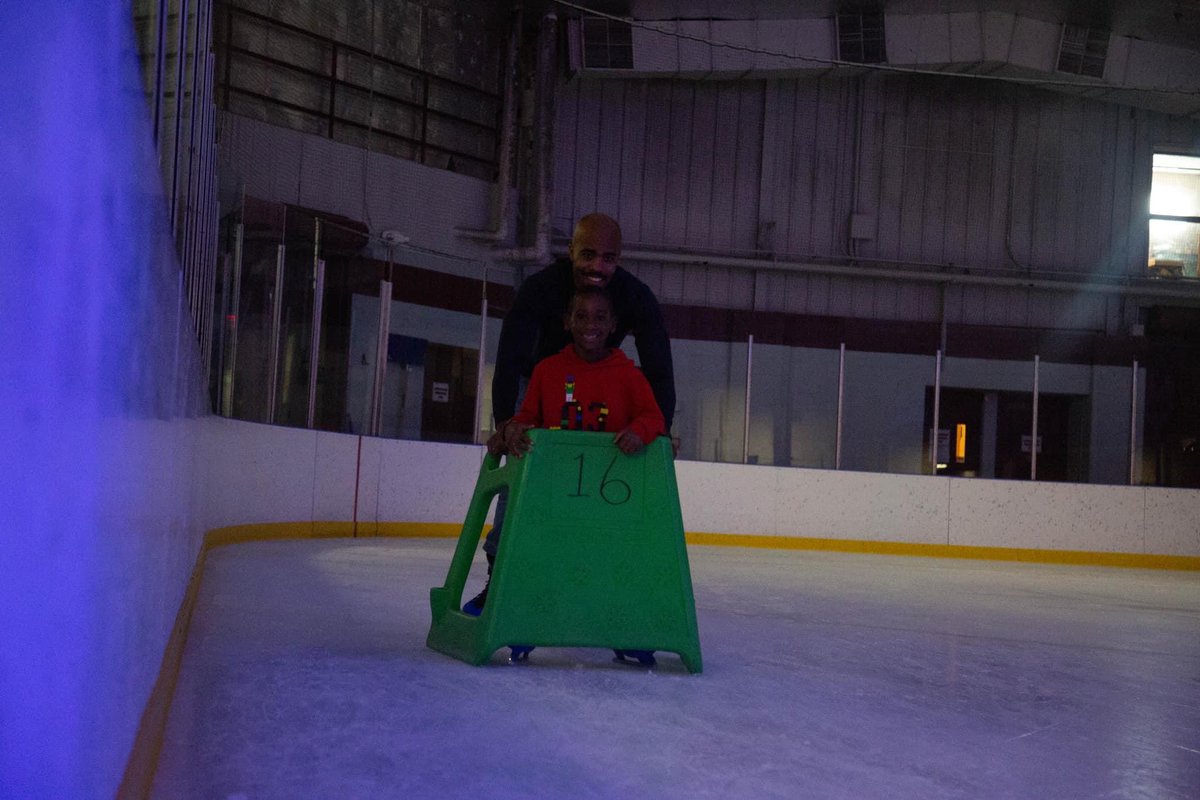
x=518 y=653
x=474 y=606
x=634 y=658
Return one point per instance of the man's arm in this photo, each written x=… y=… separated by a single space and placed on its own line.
x=654 y=350
x=518 y=339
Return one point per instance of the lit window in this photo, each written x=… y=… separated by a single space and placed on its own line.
x=1174 y=215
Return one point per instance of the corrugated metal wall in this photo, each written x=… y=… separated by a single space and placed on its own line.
x=939 y=171
x=677 y=162
x=445 y=37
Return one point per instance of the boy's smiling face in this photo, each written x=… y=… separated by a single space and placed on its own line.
x=591 y=320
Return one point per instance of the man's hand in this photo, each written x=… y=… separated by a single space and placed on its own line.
x=628 y=442
x=495 y=443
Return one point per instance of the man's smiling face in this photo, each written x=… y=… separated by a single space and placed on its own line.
x=595 y=252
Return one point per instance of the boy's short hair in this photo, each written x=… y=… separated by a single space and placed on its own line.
x=592 y=291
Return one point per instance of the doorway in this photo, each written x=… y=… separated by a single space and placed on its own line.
x=448 y=398
x=987 y=434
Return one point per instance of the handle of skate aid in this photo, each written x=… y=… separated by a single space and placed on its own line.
x=494 y=476
x=492 y=479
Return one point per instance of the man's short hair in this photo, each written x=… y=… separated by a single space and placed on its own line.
x=599 y=221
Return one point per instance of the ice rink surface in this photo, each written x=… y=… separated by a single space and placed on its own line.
x=826 y=675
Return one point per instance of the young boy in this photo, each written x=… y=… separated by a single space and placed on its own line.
x=585 y=386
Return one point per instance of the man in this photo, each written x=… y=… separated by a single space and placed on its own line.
x=534 y=329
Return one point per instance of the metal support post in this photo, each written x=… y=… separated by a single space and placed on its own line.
x=229 y=376
x=480 y=366
x=1033 y=443
x=937 y=412
x=837 y=445
x=1133 y=410
x=381 y=356
x=276 y=326
x=746 y=415
x=314 y=355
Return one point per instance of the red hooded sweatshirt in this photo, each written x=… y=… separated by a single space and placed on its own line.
x=566 y=392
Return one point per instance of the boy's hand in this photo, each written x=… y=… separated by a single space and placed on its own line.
x=628 y=442
x=516 y=442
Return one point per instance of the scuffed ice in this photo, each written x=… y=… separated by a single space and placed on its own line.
x=826 y=676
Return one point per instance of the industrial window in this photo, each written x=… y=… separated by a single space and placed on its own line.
x=860 y=37
x=1082 y=51
x=607 y=43
x=1174 y=215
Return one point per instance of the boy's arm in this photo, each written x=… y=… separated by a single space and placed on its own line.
x=511 y=437
x=647 y=423
x=495 y=442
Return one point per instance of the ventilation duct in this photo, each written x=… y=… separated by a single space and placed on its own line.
x=1136 y=71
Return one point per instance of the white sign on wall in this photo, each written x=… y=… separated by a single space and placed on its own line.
x=441 y=392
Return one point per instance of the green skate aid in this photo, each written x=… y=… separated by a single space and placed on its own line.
x=592 y=554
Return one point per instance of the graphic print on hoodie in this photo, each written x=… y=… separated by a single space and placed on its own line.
x=572 y=418
x=606 y=395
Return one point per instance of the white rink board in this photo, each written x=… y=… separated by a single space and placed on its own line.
x=264 y=473
x=1053 y=516
x=419 y=481
x=826 y=504
x=1173 y=521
